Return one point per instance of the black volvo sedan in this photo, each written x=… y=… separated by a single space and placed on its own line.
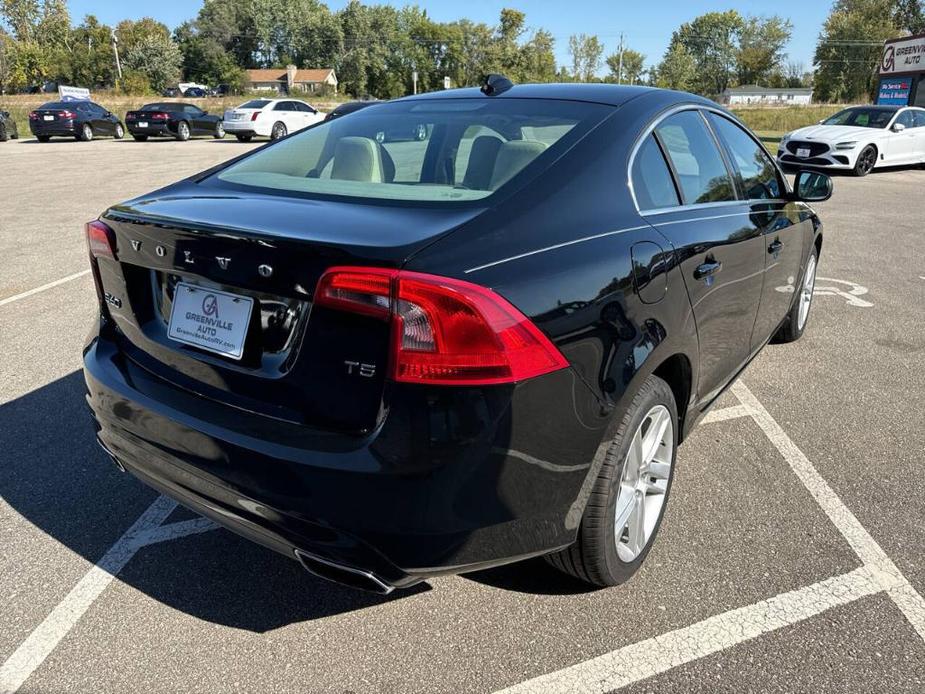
x=82 y=120
x=173 y=119
x=394 y=360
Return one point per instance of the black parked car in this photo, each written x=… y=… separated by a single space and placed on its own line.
x=181 y=121
x=195 y=93
x=82 y=120
x=171 y=92
x=348 y=107
x=393 y=361
x=8 y=130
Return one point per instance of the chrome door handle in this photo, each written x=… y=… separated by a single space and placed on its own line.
x=711 y=267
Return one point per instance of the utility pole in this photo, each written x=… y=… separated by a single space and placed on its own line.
x=620 y=75
x=115 y=50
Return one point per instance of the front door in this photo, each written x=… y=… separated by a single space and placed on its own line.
x=784 y=225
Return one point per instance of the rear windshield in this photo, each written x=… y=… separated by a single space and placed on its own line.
x=255 y=103
x=162 y=107
x=447 y=150
x=863 y=117
x=58 y=105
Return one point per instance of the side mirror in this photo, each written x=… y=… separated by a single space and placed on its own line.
x=898 y=127
x=812 y=186
x=205 y=113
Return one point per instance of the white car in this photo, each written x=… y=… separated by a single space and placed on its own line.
x=859 y=139
x=273 y=118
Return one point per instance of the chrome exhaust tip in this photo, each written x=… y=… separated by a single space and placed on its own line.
x=345 y=575
x=111 y=455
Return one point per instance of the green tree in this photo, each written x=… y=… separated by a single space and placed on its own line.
x=538 y=58
x=712 y=42
x=848 y=54
x=156 y=57
x=633 y=67
x=586 y=52
x=677 y=69
x=22 y=16
x=760 y=57
x=910 y=15
x=90 y=59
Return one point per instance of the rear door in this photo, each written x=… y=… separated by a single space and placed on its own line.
x=720 y=248
x=198 y=121
x=786 y=229
x=284 y=112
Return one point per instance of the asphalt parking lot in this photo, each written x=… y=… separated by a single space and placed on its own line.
x=791 y=559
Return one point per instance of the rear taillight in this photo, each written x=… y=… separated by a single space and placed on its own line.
x=68 y=115
x=33 y=115
x=101 y=241
x=159 y=116
x=129 y=116
x=255 y=115
x=444 y=331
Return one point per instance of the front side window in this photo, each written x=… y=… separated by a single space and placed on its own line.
x=697 y=162
x=759 y=176
x=439 y=150
x=652 y=183
x=283 y=106
x=905 y=119
x=918 y=118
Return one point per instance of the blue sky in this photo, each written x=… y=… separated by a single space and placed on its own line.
x=646 y=24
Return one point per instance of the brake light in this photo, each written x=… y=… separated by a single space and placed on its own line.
x=160 y=116
x=444 y=331
x=101 y=240
x=255 y=115
x=33 y=115
x=68 y=115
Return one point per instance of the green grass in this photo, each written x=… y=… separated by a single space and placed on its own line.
x=770 y=138
x=777 y=119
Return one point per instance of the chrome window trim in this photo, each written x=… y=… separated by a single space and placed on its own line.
x=682 y=208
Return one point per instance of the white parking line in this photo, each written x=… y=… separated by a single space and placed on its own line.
x=653 y=656
x=725 y=414
x=36 y=290
x=46 y=637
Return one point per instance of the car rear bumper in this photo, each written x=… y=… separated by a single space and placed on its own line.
x=53 y=129
x=245 y=127
x=152 y=129
x=424 y=494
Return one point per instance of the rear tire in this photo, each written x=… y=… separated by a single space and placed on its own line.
x=609 y=551
x=867 y=159
x=278 y=131
x=4 y=135
x=795 y=323
x=244 y=138
x=86 y=133
x=183 y=132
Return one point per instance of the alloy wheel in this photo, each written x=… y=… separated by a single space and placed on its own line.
x=806 y=292
x=868 y=160
x=279 y=130
x=644 y=483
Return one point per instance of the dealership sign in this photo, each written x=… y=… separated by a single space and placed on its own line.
x=73 y=93
x=894 y=91
x=903 y=56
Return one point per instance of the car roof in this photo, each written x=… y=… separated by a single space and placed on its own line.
x=611 y=94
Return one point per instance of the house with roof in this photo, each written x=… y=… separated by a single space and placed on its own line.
x=292 y=80
x=753 y=94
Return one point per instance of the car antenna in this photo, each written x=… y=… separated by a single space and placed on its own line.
x=495 y=84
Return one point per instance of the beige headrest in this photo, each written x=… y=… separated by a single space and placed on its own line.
x=512 y=157
x=357 y=159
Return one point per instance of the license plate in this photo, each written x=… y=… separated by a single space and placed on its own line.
x=803 y=152
x=142 y=124
x=48 y=117
x=210 y=319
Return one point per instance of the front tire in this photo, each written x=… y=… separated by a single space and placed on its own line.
x=866 y=162
x=630 y=494
x=795 y=323
x=219 y=133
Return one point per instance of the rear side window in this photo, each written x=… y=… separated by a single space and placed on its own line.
x=697 y=162
x=759 y=176
x=652 y=183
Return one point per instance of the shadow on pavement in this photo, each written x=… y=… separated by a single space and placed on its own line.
x=56 y=477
